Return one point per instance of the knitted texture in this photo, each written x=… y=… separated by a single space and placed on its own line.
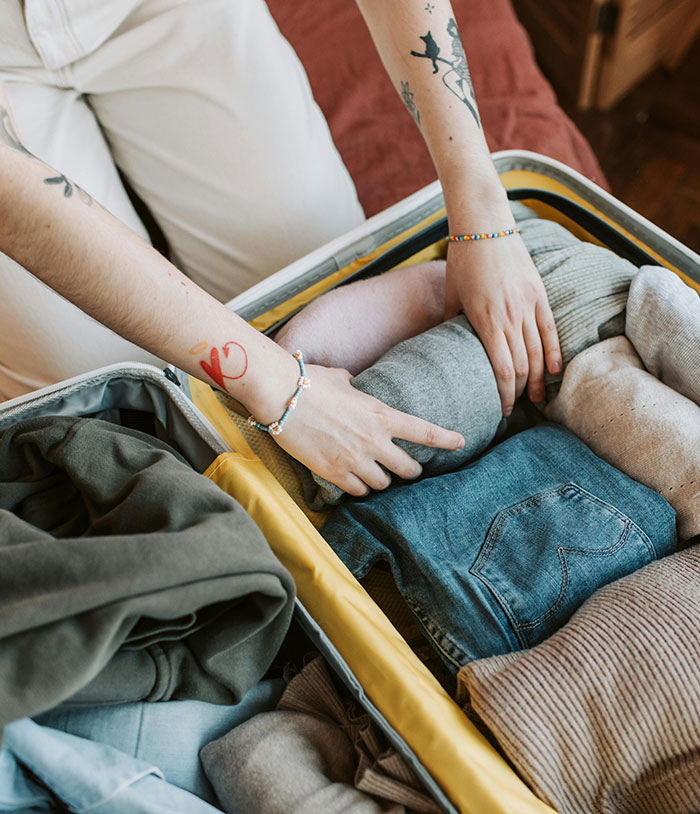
x=663 y=324
x=636 y=423
x=604 y=716
x=444 y=374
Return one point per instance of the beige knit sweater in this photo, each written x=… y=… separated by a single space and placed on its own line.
x=604 y=716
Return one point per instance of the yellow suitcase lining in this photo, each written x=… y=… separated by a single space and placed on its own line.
x=468 y=769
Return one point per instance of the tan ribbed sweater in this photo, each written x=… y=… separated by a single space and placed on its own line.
x=604 y=716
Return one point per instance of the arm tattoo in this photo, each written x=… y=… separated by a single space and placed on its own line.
x=457 y=79
x=213 y=368
x=8 y=135
x=409 y=101
x=69 y=187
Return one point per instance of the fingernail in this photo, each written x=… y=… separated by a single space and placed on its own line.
x=461 y=444
x=507 y=411
x=556 y=367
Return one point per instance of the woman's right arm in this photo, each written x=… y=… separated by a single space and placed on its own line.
x=55 y=230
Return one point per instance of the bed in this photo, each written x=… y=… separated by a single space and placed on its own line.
x=518 y=107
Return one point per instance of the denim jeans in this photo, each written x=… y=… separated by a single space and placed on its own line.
x=496 y=556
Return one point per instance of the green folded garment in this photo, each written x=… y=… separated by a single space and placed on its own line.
x=125 y=575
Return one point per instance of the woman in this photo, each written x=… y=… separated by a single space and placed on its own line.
x=206 y=110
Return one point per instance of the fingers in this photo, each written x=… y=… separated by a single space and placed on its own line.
x=399 y=462
x=410 y=428
x=501 y=358
x=375 y=476
x=352 y=485
x=520 y=360
x=535 y=356
x=548 y=333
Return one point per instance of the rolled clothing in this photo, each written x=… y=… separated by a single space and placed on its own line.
x=663 y=324
x=636 y=423
x=496 y=556
x=604 y=716
x=315 y=755
x=444 y=374
x=125 y=575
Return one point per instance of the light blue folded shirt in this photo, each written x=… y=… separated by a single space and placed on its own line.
x=167 y=734
x=84 y=775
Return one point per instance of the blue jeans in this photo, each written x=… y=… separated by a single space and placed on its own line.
x=496 y=556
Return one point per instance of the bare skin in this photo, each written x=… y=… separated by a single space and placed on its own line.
x=493 y=281
x=55 y=230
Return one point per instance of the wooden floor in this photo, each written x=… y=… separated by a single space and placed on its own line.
x=649 y=148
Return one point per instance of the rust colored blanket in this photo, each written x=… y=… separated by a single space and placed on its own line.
x=377 y=139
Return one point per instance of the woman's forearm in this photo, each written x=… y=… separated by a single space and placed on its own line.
x=422 y=51
x=52 y=227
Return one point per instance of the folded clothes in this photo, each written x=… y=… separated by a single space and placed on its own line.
x=663 y=324
x=497 y=556
x=168 y=734
x=636 y=423
x=125 y=575
x=444 y=374
x=604 y=716
x=42 y=769
x=315 y=755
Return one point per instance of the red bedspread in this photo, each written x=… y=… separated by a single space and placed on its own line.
x=377 y=139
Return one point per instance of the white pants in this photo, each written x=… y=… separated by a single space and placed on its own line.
x=205 y=108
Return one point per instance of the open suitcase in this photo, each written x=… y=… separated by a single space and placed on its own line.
x=454 y=760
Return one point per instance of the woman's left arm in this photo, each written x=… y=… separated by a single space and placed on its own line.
x=494 y=281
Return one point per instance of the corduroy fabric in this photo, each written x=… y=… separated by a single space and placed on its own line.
x=636 y=423
x=604 y=716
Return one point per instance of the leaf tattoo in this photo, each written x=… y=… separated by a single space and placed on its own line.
x=61 y=179
x=68 y=188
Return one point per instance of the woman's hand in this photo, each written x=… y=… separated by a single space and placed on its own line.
x=496 y=284
x=344 y=435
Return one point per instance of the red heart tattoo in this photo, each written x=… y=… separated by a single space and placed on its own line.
x=213 y=367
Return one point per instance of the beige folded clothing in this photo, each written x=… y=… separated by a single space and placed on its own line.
x=663 y=324
x=604 y=716
x=315 y=755
x=636 y=423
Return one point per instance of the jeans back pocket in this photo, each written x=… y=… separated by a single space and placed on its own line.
x=544 y=557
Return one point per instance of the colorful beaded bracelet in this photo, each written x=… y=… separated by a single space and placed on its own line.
x=485 y=235
x=276 y=427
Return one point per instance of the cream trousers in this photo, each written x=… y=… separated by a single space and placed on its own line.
x=206 y=110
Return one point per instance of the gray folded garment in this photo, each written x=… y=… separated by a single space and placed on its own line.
x=314 y=755
x=663 y=324
x=444 y=375
x=604 y=716
x=125 y=575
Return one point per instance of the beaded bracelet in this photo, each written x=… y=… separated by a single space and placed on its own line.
x=485 y=235
x=276 y=427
